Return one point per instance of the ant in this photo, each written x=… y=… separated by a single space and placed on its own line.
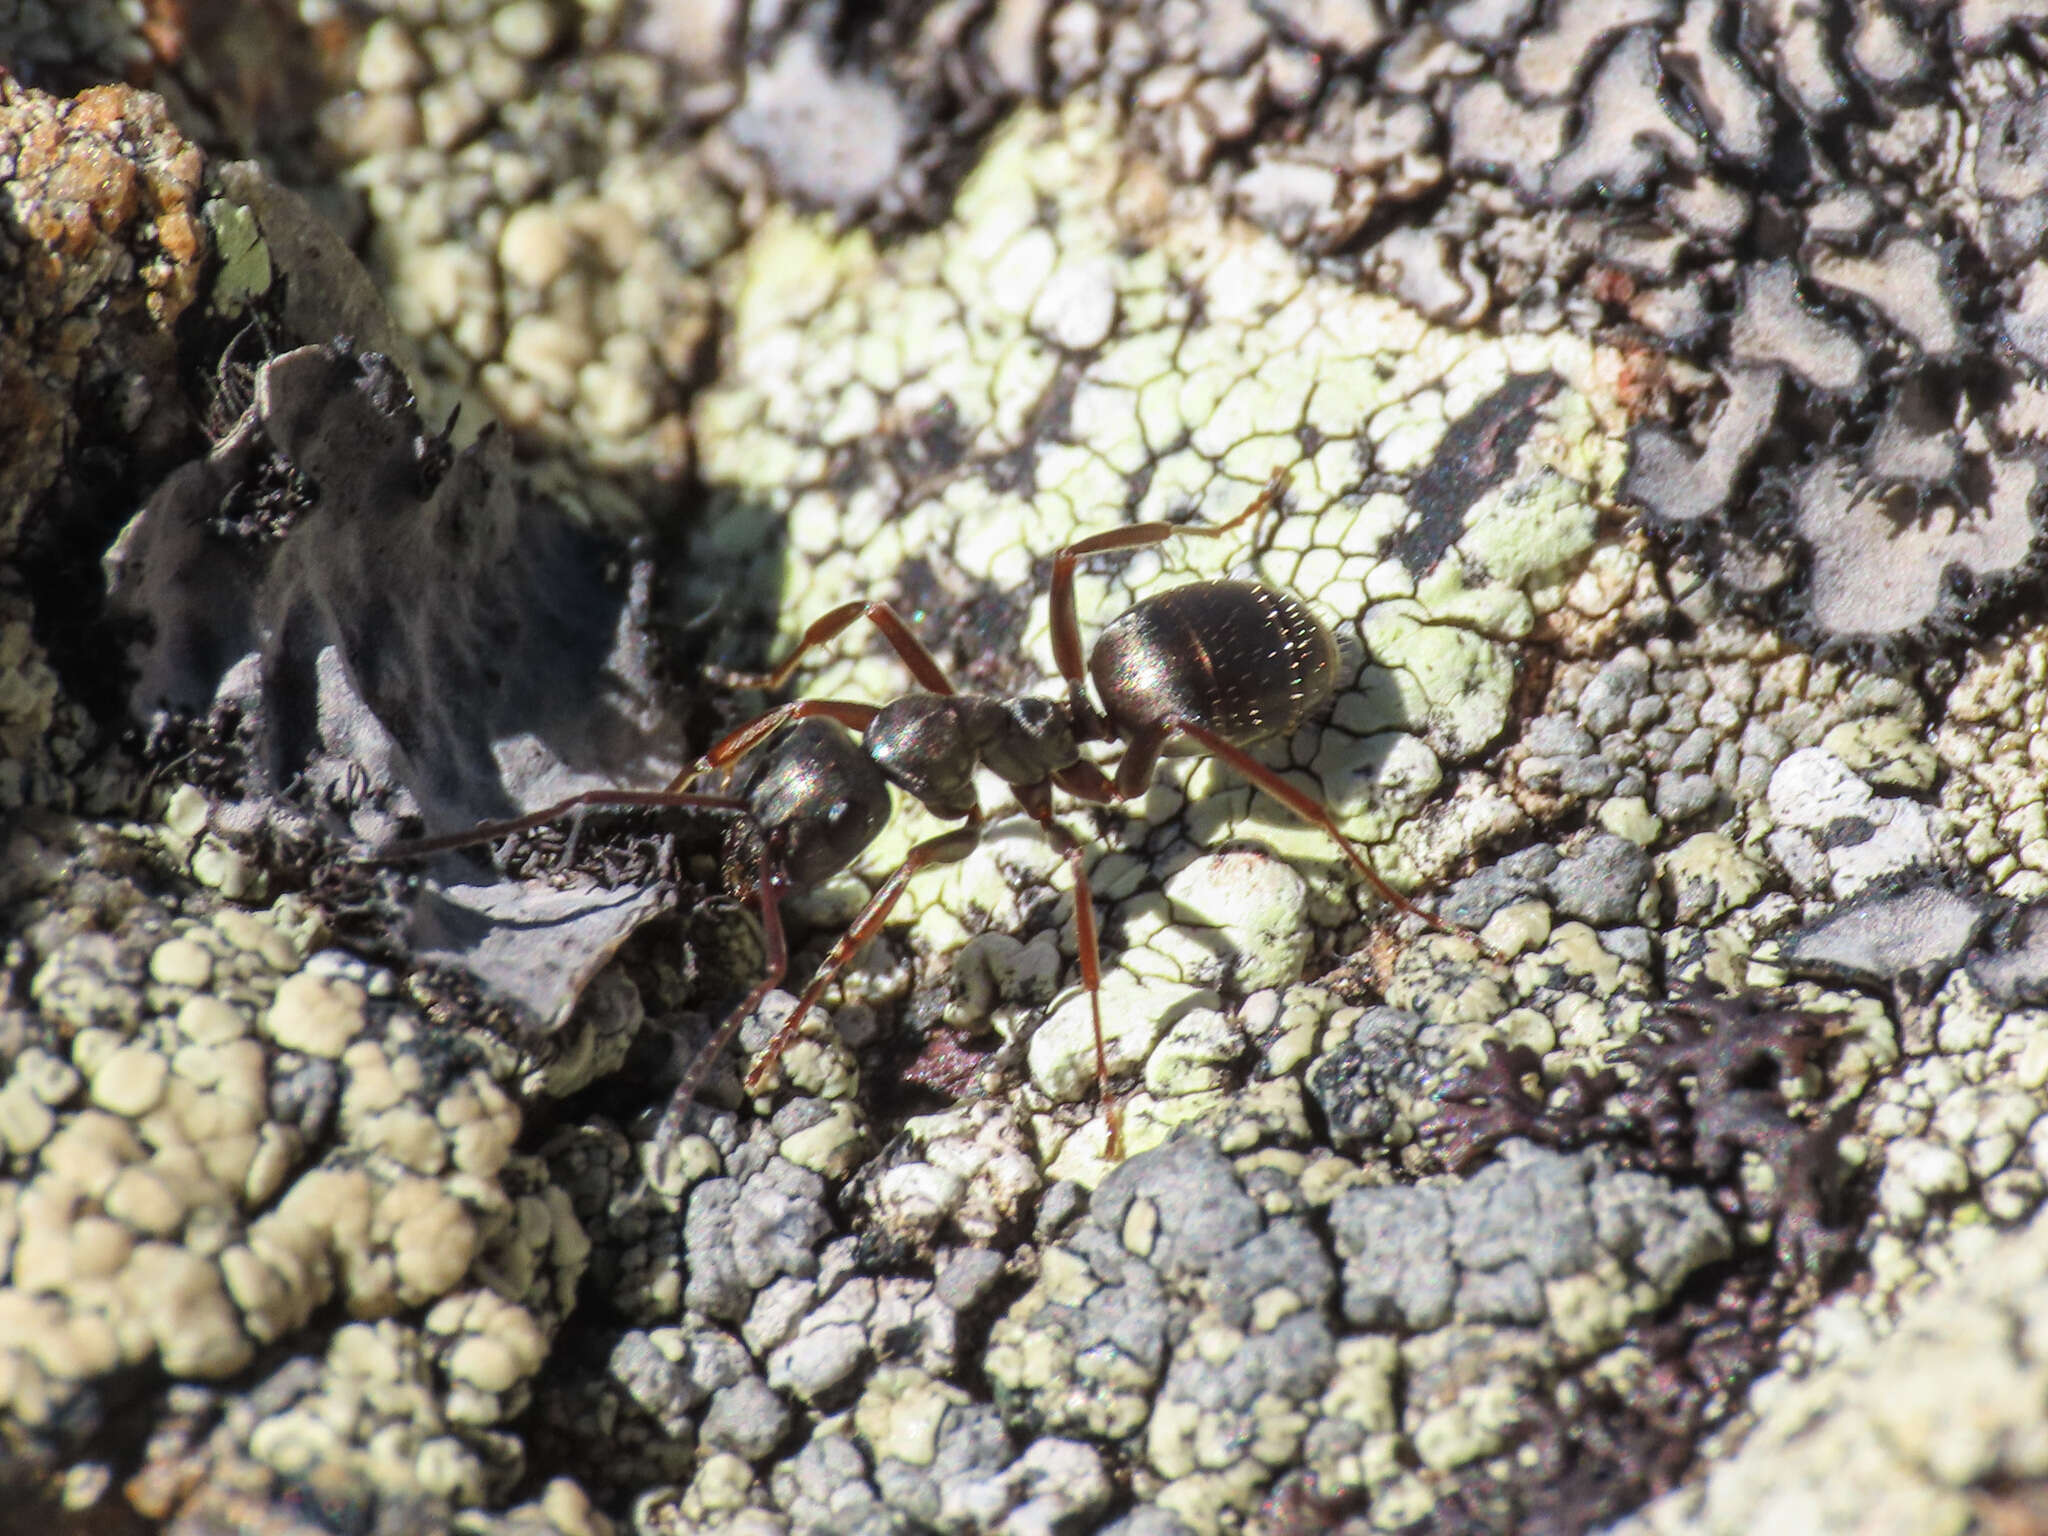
x=1223 y=664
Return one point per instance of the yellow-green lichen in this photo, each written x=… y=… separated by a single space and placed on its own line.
x=929 y=422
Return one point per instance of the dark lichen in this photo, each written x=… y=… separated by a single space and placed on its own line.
x=1704 y=1085
x=1702 y=1090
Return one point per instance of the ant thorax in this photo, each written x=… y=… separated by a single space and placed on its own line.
x=930 y=744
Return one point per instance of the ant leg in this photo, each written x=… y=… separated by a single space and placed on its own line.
x=1066 y=626
x=670 y=1130
x=1085 y=781
x=1308 y=809
x=1140 y=761
x=885 y=618
x=741 y=740
x=1089 y=942
x=620 y=799
x=723 y=754
x=948 y=848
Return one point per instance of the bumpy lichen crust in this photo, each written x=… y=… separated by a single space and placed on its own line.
x=1992 y=724
x=1833 y=211
x=101 y=250
x=931 y=422
x=535 y=224
x=1731 y=792
x=211 y=1135
x=1195 y=1318
x=102 y=245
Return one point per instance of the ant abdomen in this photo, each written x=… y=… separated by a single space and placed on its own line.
x=1247 y=660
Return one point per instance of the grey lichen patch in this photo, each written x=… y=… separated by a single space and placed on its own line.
x=1256 y=1353
x=1909 y=940
x=933 y=421
x=416 y=633
x=1809 y=784
x=1883 y=564
x=1694 y=731
x=831 y=137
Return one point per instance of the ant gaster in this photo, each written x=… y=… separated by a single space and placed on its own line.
x=1224 y=664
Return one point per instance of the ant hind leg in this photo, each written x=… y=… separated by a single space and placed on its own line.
x=1066 y=625
x=1309 y=809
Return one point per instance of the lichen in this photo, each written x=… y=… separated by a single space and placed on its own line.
x=1066 y=402
x=1448 y=272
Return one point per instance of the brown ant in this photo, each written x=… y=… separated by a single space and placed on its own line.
x=1224 y=664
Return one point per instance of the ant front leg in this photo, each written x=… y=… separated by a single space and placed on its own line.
x=773 y=941
x=738 y=742
x=1066 y=625
x=590 y=799
x=923 y=666
x=948 y=848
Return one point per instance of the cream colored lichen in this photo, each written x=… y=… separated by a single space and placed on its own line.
x=164 y=1211
x=545 y=257
x=1990 y=739
x=1152 y=364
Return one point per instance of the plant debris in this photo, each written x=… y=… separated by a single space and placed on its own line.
x=405 y=637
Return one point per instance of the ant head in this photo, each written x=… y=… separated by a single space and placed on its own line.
x=818 y=799
x=830 y=835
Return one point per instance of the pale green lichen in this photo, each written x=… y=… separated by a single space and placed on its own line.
x=1991 y=725
x=1143 y=381
x=244 y=272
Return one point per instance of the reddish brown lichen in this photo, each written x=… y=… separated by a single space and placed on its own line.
x=1703 y=1085
x=101 y=252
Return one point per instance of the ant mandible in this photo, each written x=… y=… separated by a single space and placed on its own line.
x=1225 y=664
